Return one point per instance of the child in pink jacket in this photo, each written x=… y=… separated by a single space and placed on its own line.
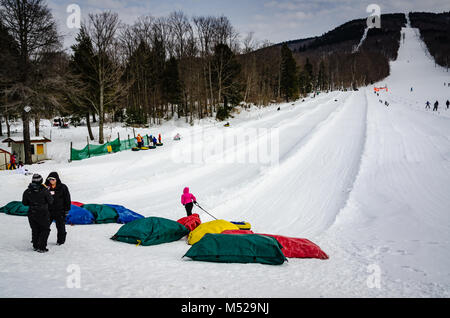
x=188 y=200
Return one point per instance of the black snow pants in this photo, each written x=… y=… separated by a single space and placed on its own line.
x=189 y=208
x=40 y=231
x=60 y=221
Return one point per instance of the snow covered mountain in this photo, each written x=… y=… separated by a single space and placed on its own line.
x=366 y=182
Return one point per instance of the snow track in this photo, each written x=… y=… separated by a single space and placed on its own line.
x=366 y=182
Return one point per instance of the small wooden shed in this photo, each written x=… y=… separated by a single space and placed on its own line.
x=38 y=148
x=5 y=157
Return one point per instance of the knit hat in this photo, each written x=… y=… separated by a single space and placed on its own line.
x=37 y=179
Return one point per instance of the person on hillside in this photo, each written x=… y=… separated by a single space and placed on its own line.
x=159 y=139
x=436 y=106
x=12 y=162
x=61 y=205
x=155 y=142
x=140 y=141
x=428 y=106
x=21 y=169
x=38 y=198
x=448 y=104
x=188 y=200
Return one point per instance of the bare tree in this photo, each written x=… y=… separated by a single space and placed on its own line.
x=33 y=28
x=102 y=29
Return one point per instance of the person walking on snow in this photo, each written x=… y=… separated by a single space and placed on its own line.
x=428 y=106
x=160 y=139
x=38 y=198
x=61 y=205
x=188 y=200
x=436 y=106
x=448 y=104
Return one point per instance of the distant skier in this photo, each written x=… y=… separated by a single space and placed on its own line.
x=428 y=106
x=412 y=89
x=436 y=106
x=38 y=198
x=188 y=200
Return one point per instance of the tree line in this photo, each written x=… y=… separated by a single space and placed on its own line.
x=155 y=69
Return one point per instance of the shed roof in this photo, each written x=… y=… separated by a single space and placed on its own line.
x=33 y=141
x=4 y=151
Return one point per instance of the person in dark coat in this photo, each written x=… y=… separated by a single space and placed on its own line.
x=61 y=205
x=436 y=106
x=428 y=105
x=38 y=198
x=448 y=104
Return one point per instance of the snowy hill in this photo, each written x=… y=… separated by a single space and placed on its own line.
x=366 y=182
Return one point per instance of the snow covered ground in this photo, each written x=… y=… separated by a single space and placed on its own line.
x=367 y=183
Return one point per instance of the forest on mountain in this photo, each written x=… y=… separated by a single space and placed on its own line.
x=435 y=32
x=176 y=66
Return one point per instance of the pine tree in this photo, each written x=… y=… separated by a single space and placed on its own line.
x=289 y=78
x=226 y=70
x=172 y=89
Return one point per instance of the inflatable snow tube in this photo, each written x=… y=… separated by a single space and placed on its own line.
x=103 y=214
x=152 y=147
x=151 y=231
x=292 y=247
x=213 y=227
x=125 y=215
x=159 y=145
x=78 y=204
x=224 y=248
x=238 y=232
x=135 y=149
x=15 y=208
x=191 y=222
x=299 y=248
x=243 y=225
x=79 y=216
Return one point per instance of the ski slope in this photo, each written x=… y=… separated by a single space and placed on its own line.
x=367 y=183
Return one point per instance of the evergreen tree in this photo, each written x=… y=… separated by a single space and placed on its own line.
x=322 y=77
x=289 y=78
x=172 y=89
x=226 y=70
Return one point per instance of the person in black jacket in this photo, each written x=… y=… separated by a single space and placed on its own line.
x=61 y=205
x=38 y=198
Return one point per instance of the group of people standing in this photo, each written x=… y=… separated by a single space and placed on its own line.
x=436 y=105
x=151 y=140
x=47 y=202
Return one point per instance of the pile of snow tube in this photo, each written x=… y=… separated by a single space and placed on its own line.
x=83 y=214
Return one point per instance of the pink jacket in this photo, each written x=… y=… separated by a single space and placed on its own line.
x=187 y=197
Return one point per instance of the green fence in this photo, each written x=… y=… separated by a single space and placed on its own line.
x=100 y=150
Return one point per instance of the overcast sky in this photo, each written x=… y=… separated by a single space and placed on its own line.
x=273 y=20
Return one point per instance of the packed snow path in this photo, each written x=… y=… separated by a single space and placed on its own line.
x=368 y=183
